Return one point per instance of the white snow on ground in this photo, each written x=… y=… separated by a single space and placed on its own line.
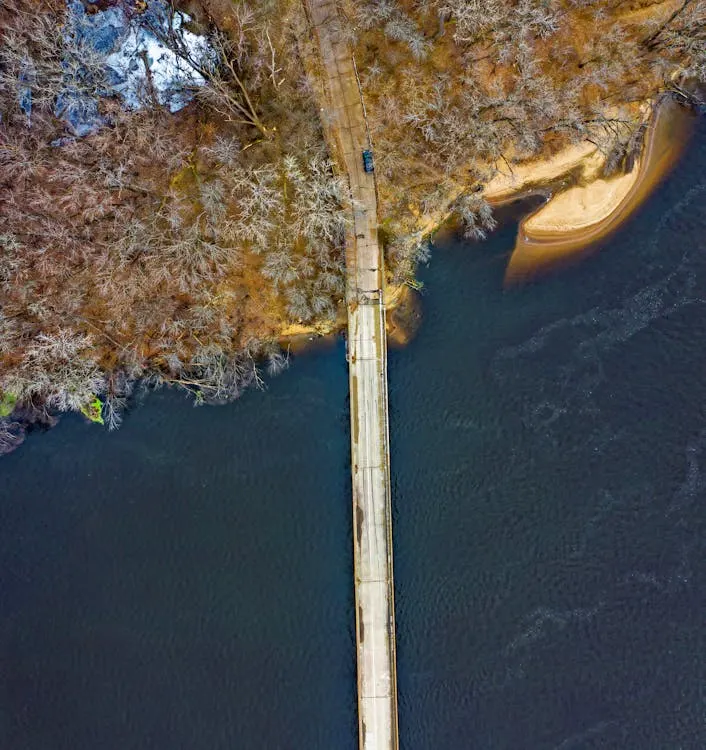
x=173 y=77
x=129 y=47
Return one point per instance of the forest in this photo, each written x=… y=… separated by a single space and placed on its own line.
x=168 y=203
x=459 y=90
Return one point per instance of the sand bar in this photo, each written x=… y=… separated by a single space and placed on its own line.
x=576 y=219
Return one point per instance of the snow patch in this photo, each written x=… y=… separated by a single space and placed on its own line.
x=139 y=66
x=172 y=77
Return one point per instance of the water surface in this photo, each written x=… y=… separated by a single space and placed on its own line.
x=549 y=459
x=186 y=582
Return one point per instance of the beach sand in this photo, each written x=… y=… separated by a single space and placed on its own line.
x=574 y=220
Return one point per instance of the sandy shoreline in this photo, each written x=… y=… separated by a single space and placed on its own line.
x=572 y=219
x=297 y=336
x=508 y=185
x=578 y=217
x=580 y=207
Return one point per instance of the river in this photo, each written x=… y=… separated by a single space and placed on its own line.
x=185 y=583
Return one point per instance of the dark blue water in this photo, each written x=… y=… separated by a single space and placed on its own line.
x=186 y=582
x=550 y=494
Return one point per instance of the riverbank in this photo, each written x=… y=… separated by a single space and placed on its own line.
x=401 y=325
x=576 y=218
x=583 y=208
x=164 y=577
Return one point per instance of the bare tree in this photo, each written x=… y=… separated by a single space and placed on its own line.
x=232 y=58
x=683 y=35
x=11 y=435
x=43 y=63
x=477 y=216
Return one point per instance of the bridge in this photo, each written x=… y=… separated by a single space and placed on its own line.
x=347 y=134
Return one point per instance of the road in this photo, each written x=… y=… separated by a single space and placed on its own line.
x=367 y=356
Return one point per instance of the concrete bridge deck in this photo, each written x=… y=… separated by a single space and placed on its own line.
x=367 y=356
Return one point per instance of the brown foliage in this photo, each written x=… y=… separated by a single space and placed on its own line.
x=502 y=81
x=164 y=247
